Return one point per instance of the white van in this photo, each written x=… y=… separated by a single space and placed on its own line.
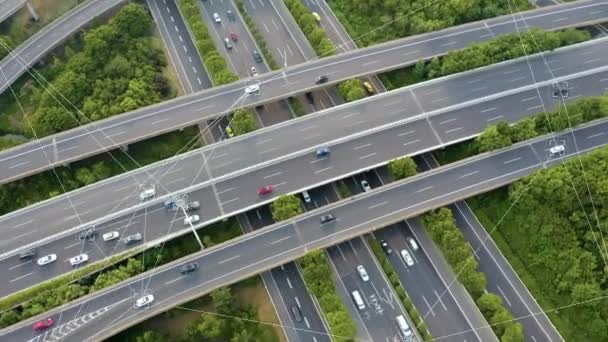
x=306 y=196
x=404 y=328
x=358 y=300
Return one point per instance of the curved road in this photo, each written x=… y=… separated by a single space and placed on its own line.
x=9 y=7
x=94 y=138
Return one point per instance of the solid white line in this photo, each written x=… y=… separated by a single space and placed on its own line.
x=488 y=110
x=174 y=280
x=367 y=155
x=595 y=135
x=448 y=44
x=20 y=164
x=411 y=142
x=23 y=276
x=280 y=240
x=427 y=304
x=454 y=130
x=446 y=121
x=23 y=224
x=325 y=169
x=512 y=160
x=376 y=205
x=406 y=133
x=19 y=265
x=229 y=259
x=362 y=146
x=503 y=295
x=468 y=174
x=495 y=118
x=274 y=174
x=230 y=200
x=424 y=189
x=72 y=245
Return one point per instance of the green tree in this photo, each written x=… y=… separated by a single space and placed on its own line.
x=133 y=20
x=243 y=122
x=491 y=139
x=285 y=207
x=151 y=336
x=6 y=46
x=402 y=168
x=489 y=303
x=223 y=301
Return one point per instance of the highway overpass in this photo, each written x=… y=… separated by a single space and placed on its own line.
x=234 y=190
x=121 y=130
x=103 y=314
x=9 y=7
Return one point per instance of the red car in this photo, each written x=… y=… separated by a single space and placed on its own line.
x=44 y=324
x=265 y=190
x=233 y=36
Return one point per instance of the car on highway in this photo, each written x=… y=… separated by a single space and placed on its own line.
x=79 y=259
x=362 y=273
x=327 y=218
x=216 y=18
x=47 y=259
x=387 y=249
x=323 y=151
x=230 y=15
x=254 y=71
x=27 y=254
x=412 y=243
x=147 y=194
x=560 y=90
x=144 y=301
x=358 y=300
x=191 y=220
x=229 y=131
x=321 y=79
x=316 y=16
x=233 y=37
x=557 y=149
x=133 y=238
x=297 y=313
x=188 y=268
x=407 y=257
x=265 y=190
x=404 y=328
x=257 y=57
x=365 y=186
x=306 y=196
x=43 y=324
x=369 y=87
x=87 y=234
x=252 y=89
x=109 y=236
x=227 y=43
x=192 y=205
x=309 y=98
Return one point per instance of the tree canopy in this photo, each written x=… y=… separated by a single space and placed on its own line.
x=285 y=207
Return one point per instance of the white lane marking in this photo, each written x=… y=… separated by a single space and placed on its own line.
x=174 y=280
x=306 y=322
x=517 y=79
x=512 y=160
x=410 y=52
x=440 y=300
x=604 y=80
x=595 y=135
x=280 y=240
x=229 y=259
x=219 y=155
x=274 y=174
x=308 y=128
x=317 y=160
x=349 y=115
x=109 y=136
x=388 y=104
x=325 y=169
x=535 y=107
x=185 y=49
x=230 y=200
x=297 y=302
x=288 y=282
x=19 y=265
x=265 y=27
x=595 y=12
x=72 y=245
x=20 y=164
x=23 y=224
x=198 y=79
x=68 y=149
x=263 y=141
x=225 y=190
x=487 y=35
x=356 y=123
x=478 y=89
x=362 y=146
x=411 y=142
x=269 y=150
x=279 y=184
x=204 y=107
x=405 y=133
x=367 y=155
x=23 y=276
x=495 y=118
x=194 y=69
x=504 y=296
x=586 y=53
x=370 y=63
x=560 y=19
x=424 y=189
x=592 y=60
x=22 y=235
x=511 y=71
x=529 y=99
x=376 y=205
x=448 y=44
x=180 y=38
x=172 y=19
x=439 y=99
x=446 y=121
x=468 y=174
x=276 y=27
x=427 y=304
x=432 y=92
x=474 y=81
x=454 y=130
x=488 y=110
x=159 y=121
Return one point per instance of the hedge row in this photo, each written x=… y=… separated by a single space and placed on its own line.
x=213 y=60
x=316 y=35
x=403 y=296
x=442 y=228
x=259 y=39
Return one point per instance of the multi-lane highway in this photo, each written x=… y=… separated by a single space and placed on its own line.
x=9 y=7
x=272 y=246
x=101 y=136
x=227 y=196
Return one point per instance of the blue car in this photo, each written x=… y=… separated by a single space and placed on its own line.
x=322 y=152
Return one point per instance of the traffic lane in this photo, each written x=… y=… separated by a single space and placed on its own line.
x=84 y=206
x=426 y=289
x=9 y=7
x=422 y=192
x=331 y=25
x=509 y=76
x=294 y=294
x=237 y=193
x=501 y=286
x=49 y=37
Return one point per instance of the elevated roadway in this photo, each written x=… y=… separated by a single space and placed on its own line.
x=413 y=131
x=94 y=138
x=103 y=314
x=9 y=7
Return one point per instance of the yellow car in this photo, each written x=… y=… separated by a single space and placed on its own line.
x=369 y=87
x=229 y=132
x=317 y=16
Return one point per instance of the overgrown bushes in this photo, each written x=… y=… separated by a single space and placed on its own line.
x=403 y=296
x=243 y=121
x=351 y=90
x=401 y=168
x=442 y=228
x=316 y=35
x=285 y=207
x=317 y=275
x=213 y=60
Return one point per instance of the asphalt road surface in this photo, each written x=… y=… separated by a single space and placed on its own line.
x=9 y=7
x=151 y=121
x=230 y=196
x=112 y=310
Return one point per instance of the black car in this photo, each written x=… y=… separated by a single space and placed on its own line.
x=27 y=254
x=327 y=218
x=386 y=247
x=257 y=57
x=297 y=314
x=230 y=15
x=188 y=268
x=309 y=97
x=88 y=234
x=321 y=79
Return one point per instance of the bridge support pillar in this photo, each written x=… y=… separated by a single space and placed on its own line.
x=32 y=11
x=124 y=148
